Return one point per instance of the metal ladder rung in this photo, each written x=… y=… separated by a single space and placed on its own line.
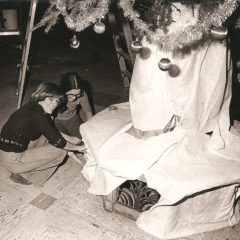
x=124 y=54
x=25 y=52
x=121 y=34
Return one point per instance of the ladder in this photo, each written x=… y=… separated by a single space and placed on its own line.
x=122 y=37
x=25 y=52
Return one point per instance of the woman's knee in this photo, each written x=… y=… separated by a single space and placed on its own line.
x=11 y=163
x=13 y=167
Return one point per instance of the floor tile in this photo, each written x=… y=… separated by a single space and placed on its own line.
x=43 y=201
x=14 y=194
x=25 y=223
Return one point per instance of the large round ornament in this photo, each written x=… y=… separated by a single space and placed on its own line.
x=99 y=27
x=164 y=64
x=74 y=42
x=219 y=33
x=174 y=71
x=136 y=46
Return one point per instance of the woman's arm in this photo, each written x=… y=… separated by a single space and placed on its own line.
x=72 y=147
x=86 y=108
x=71 y=139
x=88 y=115
x=73 y=143
x=46 y=127
x=60 y=140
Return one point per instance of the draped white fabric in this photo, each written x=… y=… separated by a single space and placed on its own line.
x=184 y=165
x=195 y=94
x=177 y=164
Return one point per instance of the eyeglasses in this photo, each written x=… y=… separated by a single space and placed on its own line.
x=74 y=97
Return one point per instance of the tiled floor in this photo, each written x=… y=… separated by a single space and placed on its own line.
x=63 y=209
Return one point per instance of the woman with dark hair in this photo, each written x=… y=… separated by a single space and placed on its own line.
x=30 y=143
x=77 y=108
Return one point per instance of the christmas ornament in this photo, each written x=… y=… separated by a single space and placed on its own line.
x=136 y=46
x=174 y=71
x=219 y=33
x=99 y=27
x=78 y=15
x=190 y=33
x=145 y=53
x=164 y=64
x=74 y=42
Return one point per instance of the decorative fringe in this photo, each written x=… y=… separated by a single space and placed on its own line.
x=79 y=15
x=176 y=40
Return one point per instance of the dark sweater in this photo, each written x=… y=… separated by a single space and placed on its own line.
x=27 y=124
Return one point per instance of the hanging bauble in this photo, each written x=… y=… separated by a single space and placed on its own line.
x=164 y=64
x=174 y=71
x=74 y=42
x=219 y=33
x=136 y=46
x=145 y=53
x=99 y=27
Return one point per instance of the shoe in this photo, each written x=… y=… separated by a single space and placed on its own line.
x=18 y=178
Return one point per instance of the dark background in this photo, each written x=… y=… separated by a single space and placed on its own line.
x=58 y=38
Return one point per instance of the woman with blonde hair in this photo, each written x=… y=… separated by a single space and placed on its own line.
x=30 y=144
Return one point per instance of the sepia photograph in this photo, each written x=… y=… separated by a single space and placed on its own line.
x=120 y=119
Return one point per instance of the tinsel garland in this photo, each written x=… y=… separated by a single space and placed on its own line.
x=184 y=37
x=50 y=17
x=78 y=15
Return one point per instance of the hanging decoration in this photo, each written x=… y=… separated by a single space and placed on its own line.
x=74 y=42
x=99 y=27
x=179 y=39
x=164 y=64
x=80 y=14
x=219 y=33
x=136 y=46
x=174 y=71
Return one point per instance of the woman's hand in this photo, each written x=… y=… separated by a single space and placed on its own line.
x=81 y=148
x=74 y=140
x=75 y=147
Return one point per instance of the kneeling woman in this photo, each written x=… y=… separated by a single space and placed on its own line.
x=30 y=144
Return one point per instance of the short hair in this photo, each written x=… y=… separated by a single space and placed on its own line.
x=47 y=89
x=72 y=80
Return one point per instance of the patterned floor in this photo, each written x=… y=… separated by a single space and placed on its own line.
x=63 y=210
